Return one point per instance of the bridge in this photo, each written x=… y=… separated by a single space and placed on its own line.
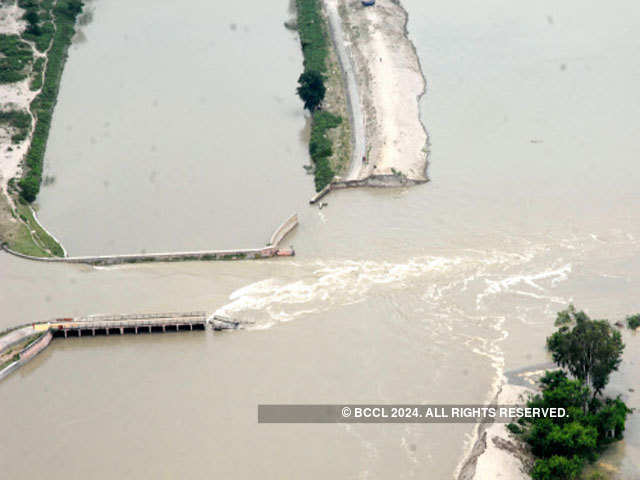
x=126 y=324
x=20 y=344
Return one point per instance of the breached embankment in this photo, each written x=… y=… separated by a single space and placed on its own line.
x=390 y=84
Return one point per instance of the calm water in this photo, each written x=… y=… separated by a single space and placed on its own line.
x=420 y=295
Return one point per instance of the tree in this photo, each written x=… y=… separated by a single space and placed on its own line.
x=591 y=350
x=311 y=89
x=29 y=188
x=32 y=17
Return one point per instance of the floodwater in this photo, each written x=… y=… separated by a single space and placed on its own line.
x=427 y=294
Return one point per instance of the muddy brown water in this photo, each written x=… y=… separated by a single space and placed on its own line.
x=422 y=295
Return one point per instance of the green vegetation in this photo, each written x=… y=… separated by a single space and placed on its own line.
x=39 y=25
x=311 y=89
x=8 y=362
x=39 y=234
x=16 y=234
x=64 y=13
x=633 y=321
x=315 y=48
x=320 y=147
x=313 y=35
x=19 y=120
x=36 y=74
x=15 y=58
x=590 y=350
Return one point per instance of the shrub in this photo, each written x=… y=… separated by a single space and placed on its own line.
x=15 y=58
x=312 y=35
x=514 y=428
x=557 y=468
x=29 y=187
x=18 y=120
x=320 y=147
x=633 y=321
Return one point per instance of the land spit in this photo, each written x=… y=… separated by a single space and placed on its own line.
x=385 y=83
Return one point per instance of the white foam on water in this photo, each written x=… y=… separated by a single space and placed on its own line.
x=327 y=284
x=506 y=284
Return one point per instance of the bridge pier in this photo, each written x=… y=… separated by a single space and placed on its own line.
x=121 y=331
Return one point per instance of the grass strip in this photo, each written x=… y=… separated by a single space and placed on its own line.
x=40 y=234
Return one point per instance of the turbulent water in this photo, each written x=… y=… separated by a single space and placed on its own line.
x=428 y=294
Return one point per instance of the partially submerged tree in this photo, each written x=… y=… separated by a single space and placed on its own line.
x=590 y=351
x=563 y=444
x=311 y=89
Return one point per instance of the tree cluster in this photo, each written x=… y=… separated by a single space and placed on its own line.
x=589 y=350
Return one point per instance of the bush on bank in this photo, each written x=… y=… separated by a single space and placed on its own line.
x=315 y=49
x=320 y=147
x=313 y=35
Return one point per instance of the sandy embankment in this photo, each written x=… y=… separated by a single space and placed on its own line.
x=496 y=453
x=391 y=83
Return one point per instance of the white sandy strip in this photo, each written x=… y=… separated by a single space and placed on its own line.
x=496 y=463
x=13 y=96
x=10 y=22
x=497 y=454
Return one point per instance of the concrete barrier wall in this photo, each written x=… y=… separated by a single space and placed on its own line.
x=27 y=354
x=9 y=369
x=239 y=254
x=373 y=181
x=283 y=230
x=251 y=253
x=35 y=348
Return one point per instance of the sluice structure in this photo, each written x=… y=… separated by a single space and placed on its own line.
x=20 y=344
